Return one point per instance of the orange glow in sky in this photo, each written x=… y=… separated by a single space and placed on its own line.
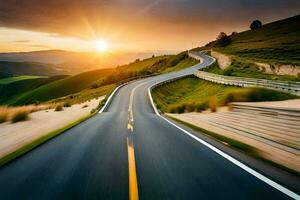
x=122 y=25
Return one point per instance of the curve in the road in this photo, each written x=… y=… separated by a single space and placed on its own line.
x=90 y=161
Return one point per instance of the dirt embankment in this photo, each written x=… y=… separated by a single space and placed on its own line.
x=279 y=69
x=223 y=60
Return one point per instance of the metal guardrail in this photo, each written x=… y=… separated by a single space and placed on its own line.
x=284 y=86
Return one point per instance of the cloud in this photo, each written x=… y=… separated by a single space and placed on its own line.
x=37 y=45
x=22 y=41
x=142 y=21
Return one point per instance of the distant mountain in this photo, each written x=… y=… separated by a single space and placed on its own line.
x=28 y=68
x=51 y=56
x=74 y=62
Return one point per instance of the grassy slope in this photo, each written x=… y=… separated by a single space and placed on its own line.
x=84 y=81
x=247 y=69
x=12 y=90
x=17 y=78
x=141 y=65
x=276 y=42
x=84 y=95
x=59 y=88
x=181 y=65
x=195 y=93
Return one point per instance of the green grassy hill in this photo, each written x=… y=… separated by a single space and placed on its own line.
x=193 y=94
x=5 y=81
x=93 y=80
x=59 y=88
x=276 y=42
x=14 y=89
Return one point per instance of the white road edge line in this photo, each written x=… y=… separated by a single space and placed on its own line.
x=226 y=156
x=110 y=97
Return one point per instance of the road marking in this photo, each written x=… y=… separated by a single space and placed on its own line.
x=133 y=184
x=226 y=156
x=110 y=97
x=130 y=124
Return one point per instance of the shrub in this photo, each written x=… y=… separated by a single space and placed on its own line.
x=181 y=108
x=190 y=107
x=177 y=108
x=201 y=107
x=93 y=111
x=3 y=115
x=255 y=95
x=58 y=108
x=223 y=39
x=94 y=86
x=256 y=24
x=67 y=104
x=213 y=103
x=21 y=115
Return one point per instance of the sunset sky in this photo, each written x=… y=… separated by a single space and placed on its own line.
x=129 y=25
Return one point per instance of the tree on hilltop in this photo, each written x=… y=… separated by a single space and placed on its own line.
x=256 y=24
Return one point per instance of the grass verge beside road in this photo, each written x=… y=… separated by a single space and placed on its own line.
x=191 y=94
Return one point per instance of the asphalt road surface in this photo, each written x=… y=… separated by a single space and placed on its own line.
x=90 y=161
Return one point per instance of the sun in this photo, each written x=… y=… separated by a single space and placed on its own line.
x=101 y=45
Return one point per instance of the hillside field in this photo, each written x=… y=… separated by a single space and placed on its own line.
x=97 y=79
x=9 y=80
x=193 y=94
x=276 y=44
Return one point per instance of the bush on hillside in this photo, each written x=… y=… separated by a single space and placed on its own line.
x=21 y=115
x=256 y=24
x=67 y=104
x=188 y=107
x=94 y=86
x=223 y=40
x=93 y=110
x=255 y=95
x=58 y=108
x=213 y=103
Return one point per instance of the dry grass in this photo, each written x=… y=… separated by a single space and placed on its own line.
x=21 y=115
x=58 y=108
x=3 y=114
x=13 y=113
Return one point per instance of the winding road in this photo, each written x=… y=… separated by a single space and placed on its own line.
x=129 y=151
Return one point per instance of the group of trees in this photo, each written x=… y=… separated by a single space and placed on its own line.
x=223 y=39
